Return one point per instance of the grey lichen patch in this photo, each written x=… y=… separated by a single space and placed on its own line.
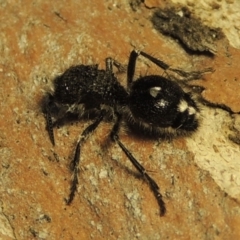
x=214 y=151
x=93 y=173
x=103 y=173
x=180 y=25
x=133 y=204
x=6 y=229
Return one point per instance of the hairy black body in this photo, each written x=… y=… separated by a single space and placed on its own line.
x=152 y=105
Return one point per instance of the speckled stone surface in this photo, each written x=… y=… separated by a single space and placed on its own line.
x=198 y=176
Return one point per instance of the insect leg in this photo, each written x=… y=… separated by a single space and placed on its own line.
x=132 y=64
x=131 y=67
x=109 y=65
x=74 y=166
x=188 y=75
x=153 y=185
x=158 y=62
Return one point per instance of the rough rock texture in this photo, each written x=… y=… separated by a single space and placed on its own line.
x=199 y=176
